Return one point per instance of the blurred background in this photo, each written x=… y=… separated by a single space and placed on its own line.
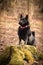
x=10 y=11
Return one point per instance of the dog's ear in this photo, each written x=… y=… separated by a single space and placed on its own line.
x=26 y=16
x=21 y=16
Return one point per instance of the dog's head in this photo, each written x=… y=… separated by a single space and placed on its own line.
x=23 y=20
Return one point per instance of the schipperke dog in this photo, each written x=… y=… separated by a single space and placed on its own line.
x=24 y=31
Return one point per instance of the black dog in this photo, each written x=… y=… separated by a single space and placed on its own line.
x=24 y=32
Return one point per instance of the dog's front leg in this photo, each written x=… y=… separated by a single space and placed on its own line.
x=26 y=40
x=19 y=41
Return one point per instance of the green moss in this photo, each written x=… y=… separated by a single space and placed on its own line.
x=17 y=57
x=16 y=61
x=40 y=56
x=33 y=50
x=19 y=54
x=4 y=56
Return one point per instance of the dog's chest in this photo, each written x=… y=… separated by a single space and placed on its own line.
x=23 y=31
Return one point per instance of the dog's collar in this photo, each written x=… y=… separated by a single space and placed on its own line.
x=24 y=26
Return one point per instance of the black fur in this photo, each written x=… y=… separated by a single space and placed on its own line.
x=31 y=38
x=24 y=32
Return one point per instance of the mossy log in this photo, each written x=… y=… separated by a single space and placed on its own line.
x=16 y=55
